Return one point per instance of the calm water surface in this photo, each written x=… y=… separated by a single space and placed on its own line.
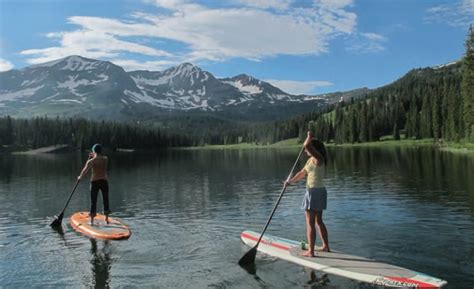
x=409 y=207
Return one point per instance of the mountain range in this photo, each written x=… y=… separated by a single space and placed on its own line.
x=78 y=86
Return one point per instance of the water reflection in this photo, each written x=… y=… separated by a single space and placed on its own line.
x=316 y=281
x=101 y=264
x=432 y=175
x=6 y=168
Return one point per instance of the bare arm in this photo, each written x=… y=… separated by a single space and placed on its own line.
x=297 y=177
x=84 y=171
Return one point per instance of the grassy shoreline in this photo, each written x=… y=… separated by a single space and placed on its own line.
x=293 y=143
x=464 y=148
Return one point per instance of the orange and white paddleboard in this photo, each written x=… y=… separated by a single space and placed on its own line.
x=113 y=230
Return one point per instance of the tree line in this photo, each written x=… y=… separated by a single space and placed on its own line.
x=82 y=133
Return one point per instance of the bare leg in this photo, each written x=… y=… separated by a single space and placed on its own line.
x=310 y=232
x=323 y=232
x=92 y=221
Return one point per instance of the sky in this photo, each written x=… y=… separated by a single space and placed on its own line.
x=301 y=46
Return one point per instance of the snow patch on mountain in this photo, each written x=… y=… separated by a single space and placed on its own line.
x=445 y=65
x=72 y=83
x=247 y=89
x=152 y=82
x=196 y=105
x=32 y=81
x=310 y=97
x=50 y=97
x=280 y=97
x=141 y=97
x=77 y=63
x=68 y=100
x=8 y=96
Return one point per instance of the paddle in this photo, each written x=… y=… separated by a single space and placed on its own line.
x=249 y=258
x=58 y=220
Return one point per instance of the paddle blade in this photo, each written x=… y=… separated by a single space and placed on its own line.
x=248 y=258
x=57 y=221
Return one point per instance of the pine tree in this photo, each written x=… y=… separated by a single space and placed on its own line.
x=467 y=86
x=436 y=117
x=396 y=132
x=363 y=127
x=425 y=117
x=8 y=132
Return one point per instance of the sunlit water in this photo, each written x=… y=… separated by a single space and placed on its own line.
x=408 y=207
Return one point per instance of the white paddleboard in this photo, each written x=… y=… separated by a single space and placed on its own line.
x=337 y=263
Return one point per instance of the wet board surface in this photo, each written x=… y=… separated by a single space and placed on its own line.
x=341 y=264
x=114 y=230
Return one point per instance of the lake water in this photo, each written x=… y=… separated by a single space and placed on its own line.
x=408 y=207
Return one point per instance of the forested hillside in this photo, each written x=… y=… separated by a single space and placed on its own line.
x=425 y=103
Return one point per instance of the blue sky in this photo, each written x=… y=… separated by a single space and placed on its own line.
x=301 y=46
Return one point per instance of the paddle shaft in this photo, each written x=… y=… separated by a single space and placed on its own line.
x=279 y=197
x=70 y=196
x=73 y=190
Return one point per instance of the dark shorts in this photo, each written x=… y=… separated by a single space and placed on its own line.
x=315 y=199
x=103 y=186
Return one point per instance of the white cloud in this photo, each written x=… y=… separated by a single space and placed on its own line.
x=366 y=43
x=5 y=65
x=468 y=5
x=460 y=13
x=299 y=87
x=374 y=36
x=130 y=65
x=178 y=6
x=88 y=43
x=266 y=4
x=206 y=33
x=334 y=4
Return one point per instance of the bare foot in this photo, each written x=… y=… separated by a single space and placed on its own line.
x=107 y=219
x=322 y=249
x=92 y=221
x=308 y=254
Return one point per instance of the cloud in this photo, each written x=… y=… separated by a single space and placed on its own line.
x=468 y=5
x=252 y=31
x=5 y=65
x=130 y=65
x=366 y=43
x=458 y=14
x=373 y=36
x=266 y=4
x=88 y=43
x=334 y=4
x=299 y=87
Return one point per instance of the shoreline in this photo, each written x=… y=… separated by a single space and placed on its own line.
x=464 y=148
x=460 y=148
